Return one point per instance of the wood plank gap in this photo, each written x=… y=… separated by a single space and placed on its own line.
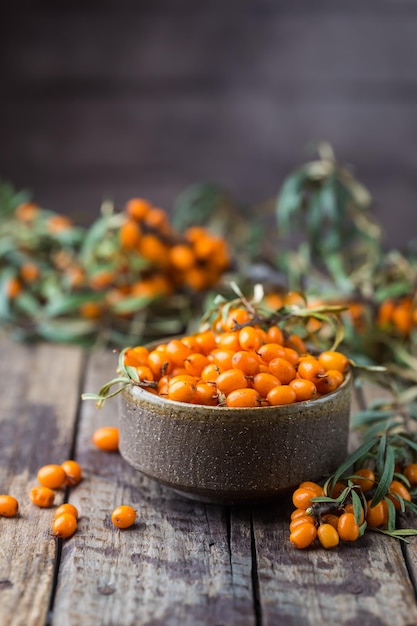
x=257 y=607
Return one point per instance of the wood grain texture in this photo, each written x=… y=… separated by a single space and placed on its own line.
x=37 y=420
x=182 y=563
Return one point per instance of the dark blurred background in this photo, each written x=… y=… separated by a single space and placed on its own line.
x=122 y=98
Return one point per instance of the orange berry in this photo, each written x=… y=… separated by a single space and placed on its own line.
x=328 y=536
x=206 y=394
x=64 y=526
x=347 y=527
x=73 y=472
x=301 y=498
x=281 y=394
x=129 y=235
x=9 y=506
x=145 y=374
x=243 y=398
x=107 y=438
x=311 y=369
x=182 y=388
x=160 y=363
x=263 y=382
x=282 y=369
x=52 y=476
x=298 y=513
x=136 y=356
x=275 y=335
x=304 y=389
x=123 y=516
x=236 y=317
x=365 y=478
x=248 y=362
x=181 y=257
x=397 y=488
x=332 y=360
x=296 y=343
x=206 y=341
x=210 y=373
x=292 y=356
x=330 y=382
x=270 y=351
x=349 y=509
x=137 y=208
x=377 y=515
x=29 y=272
x=249 y=338
x=222 y=358
x=229 y=341
x=177 y=351
x=410 y=472
x=13 y=287
x=304 y=535
x=330 y=518
x=311 y=486
x=302 y=519
x=195 y=363
x=230 y=380
x=68 y=508
x=42 y=496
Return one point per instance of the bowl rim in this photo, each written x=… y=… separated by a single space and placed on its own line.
x=135 y=392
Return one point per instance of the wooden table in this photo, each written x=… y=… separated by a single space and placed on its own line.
x=183 y=562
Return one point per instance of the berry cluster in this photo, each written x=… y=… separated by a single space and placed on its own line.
x=52 y=477
x=345 y=509
x=236 y=363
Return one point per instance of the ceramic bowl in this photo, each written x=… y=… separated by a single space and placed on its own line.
x=234 y=455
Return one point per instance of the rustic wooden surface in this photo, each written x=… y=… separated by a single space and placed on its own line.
x=119 y=98
x=183 y=563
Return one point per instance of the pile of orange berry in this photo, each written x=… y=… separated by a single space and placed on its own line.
x=328 y=515
x=236 y=363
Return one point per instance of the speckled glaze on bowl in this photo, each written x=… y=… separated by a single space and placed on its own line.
x=231 y=456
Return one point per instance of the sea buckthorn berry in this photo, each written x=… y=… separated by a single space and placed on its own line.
x=275 y=335
x=304 y=389
x=9 y=506
x=311 y=369
x=330 y=382
x=397 y=488
x=349 y=509
x=182 y=388
x=144 y=373
x=296 y=343
x=64 y=526
x=52 y=476
x=292 y=356
x=123 y=516
x=42 y=496
x=301 y=520
x=73 y=472
x=282 y=369
x=222 y=358
x=229 y=341
x=181 y=257
x=328 y=536
x=304 y=535
x=160 y=363
x=67 y=507
x=210 y=373
x=236 y=317
x=332 y=360
x=129 y=235
x=263 y=382
x=330 y=518
x=270 y=351
x=206 y=394
x=298 y=513
x=301 y=498
x=365 y=478
x=230 y=380
x=410 y=472
x=337 y=489
x=206 y=341
x=347 y=527
x=137 y=208
x=243 y=398
x=280 y=395
x=312 y=486
x=248 y=362
x=177 y=351
x=195 y=363
x=107 y=438
x=377 y=515
x=249 y=338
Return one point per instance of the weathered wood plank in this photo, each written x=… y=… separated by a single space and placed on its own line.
x=37 y=416
x=346 y=586
x=182 y=563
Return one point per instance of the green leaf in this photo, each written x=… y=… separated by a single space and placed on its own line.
x=357 y=506
x=358 y=454
x=289 y=202
x=386 y=476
